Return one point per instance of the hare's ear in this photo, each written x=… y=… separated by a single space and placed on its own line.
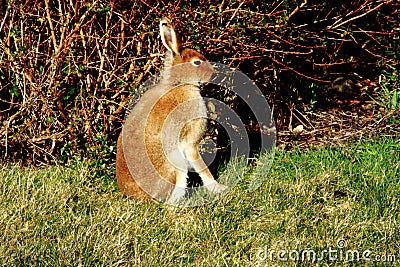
x=168 y=37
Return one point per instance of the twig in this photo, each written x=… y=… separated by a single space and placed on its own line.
x=332 y=27
x=297 y=9
x=232 y=17
x=308 y=121
x=5 y=130
x=53 y=35
x=4 y=20
x=299 y=73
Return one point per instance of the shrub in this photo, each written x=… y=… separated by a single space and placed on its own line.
x=69 y=68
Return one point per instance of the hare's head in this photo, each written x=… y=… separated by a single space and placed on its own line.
x=199 y=67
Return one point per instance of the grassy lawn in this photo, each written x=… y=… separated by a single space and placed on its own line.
x=312 y=199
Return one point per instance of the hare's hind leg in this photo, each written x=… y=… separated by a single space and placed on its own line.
x=180 y=170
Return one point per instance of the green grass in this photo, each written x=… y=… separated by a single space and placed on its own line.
x=60 y=216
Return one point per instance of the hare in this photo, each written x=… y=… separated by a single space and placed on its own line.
x=159 y=141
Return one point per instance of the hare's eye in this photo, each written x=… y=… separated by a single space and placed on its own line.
x=196 y=62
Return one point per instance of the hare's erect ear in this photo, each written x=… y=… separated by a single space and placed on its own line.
x=168 y=36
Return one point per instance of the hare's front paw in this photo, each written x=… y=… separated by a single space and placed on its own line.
x=177 y=196
x=217 y=188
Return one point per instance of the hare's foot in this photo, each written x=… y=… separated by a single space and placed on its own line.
x=216 y=187
x=177 y=196
x=179 y=192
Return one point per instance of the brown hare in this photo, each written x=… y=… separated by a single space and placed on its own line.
x=161 y=135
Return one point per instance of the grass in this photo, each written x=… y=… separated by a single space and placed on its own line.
x=312 y=198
